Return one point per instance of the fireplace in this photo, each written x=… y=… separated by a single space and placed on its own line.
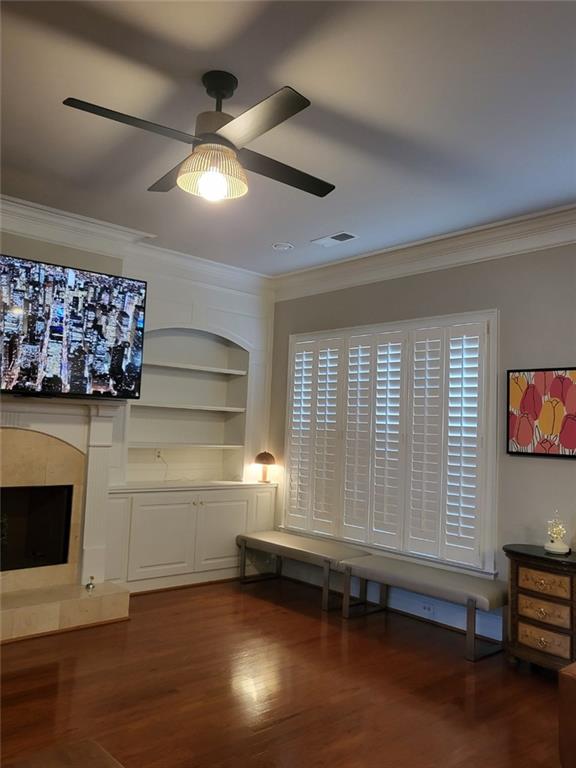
x=35 y=525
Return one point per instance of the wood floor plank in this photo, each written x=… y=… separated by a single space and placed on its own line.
x=226 y=676
x=83 y=754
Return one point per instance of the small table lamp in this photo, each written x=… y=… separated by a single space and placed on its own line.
x=266 y=460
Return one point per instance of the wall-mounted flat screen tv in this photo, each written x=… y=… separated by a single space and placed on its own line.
x=70 y=332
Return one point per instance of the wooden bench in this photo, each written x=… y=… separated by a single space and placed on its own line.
x=305 y=549
x=471 y=591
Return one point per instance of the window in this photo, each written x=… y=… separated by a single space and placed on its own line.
x=388 y=437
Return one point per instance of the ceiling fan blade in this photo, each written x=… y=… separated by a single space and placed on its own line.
x=272 y=169
x=264 y=116
x=135 y=122
x=166 y=182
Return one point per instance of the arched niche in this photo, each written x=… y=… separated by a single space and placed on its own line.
x=194 y=346
x=192 y=412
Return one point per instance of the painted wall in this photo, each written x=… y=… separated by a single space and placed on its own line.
x=184 y=293
x=38 y=250
x=535 y=294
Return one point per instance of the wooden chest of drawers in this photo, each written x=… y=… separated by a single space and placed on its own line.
x=542 y=606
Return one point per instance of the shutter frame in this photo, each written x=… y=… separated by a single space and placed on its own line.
x=353 y=526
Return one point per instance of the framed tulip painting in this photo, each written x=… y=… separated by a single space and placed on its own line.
x=542 y=412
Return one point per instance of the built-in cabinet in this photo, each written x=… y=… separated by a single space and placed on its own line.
x=162 y=535
x=159 y=534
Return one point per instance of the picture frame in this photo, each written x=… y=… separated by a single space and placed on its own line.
x=541 y=412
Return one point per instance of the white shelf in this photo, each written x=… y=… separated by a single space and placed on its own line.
x=213 y=408
x=200 y=368
x=160 y=444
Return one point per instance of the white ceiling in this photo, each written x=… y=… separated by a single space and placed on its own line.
x=429 y=117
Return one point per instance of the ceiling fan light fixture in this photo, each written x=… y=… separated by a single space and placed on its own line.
x=213 y=172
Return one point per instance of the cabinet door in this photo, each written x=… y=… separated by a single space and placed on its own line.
x=162 y=535
x=222 y=515
x=117 y=536
x=261 y=516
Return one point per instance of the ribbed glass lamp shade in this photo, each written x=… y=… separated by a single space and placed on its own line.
x=213 y=172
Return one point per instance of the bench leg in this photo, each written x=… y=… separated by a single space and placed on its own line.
x=362 y=591
x=243 y=561
x=383 y=596
x=346 y=593
x=505 y=626
x=325 y=584
x=473 y=651
x=471 y=630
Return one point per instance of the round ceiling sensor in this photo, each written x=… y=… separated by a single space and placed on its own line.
x=282 y=246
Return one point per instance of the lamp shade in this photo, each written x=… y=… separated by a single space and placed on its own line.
x=265 y=458
x=213 y=172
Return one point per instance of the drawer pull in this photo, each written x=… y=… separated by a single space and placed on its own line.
x=543 y=643
x=542 y=613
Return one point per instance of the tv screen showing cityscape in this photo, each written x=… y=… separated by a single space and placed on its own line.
x=69 y=332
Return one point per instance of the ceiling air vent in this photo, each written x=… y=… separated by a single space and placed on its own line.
x=330 y=240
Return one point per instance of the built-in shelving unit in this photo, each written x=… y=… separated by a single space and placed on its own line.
x=204 y=446
x=202 y=368
x=182 y=407
x=190 y=423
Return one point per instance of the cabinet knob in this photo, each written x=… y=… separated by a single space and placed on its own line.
x=542 y=583
x=194 y=503
x=542 y=613
x=201 y=503
x=542 y=642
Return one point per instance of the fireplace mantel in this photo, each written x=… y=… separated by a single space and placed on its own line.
x=87 y=425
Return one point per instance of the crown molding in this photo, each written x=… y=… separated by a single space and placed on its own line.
x=546 y=229
x=51 y=225
x=39 y=222
x=177 y=264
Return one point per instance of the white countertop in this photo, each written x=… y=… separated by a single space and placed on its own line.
x=183 y=485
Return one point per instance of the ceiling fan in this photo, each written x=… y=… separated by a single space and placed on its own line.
x=216 y=167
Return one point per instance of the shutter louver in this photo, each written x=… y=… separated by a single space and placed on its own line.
x=425 y=472
x=388 y=471
x=300 y=436
x=326 y=496
x=464 y=417
x=358 y=443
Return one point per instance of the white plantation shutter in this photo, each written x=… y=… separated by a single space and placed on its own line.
x=425 y=444
x=358 y=438
x=326 y=479
x=387 y=459
x=299 y=437
x=386 y=439
x=464 y=417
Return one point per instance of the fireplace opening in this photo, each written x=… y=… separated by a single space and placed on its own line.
x=34 y=525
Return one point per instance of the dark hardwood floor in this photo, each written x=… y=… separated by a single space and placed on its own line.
x=224 y=676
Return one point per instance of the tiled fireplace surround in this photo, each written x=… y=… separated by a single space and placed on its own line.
x=50 y=442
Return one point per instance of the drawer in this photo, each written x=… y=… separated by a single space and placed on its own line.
x=542 y=610
x=543 y=640
x=547 y=583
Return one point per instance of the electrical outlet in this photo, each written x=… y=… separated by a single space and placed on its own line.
x=158 y=454
x=428 y=610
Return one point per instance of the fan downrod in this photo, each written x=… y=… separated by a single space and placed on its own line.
x=219 y=85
